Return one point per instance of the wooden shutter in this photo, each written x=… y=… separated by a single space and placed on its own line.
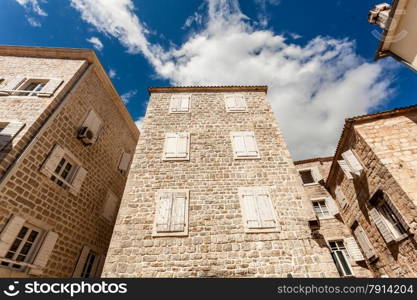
x=266 y=209
x=353 y=249
x=50 y=87
x=78 y=180
x=11 y=85
x=239 y=144
x=182 y=145
x=81 y=262
x=229 y=102
x=250 y=142
x=250 y=208
x=53 y=160
x=345 y=168
x=316 y=174
x=185 y=103
x=163 y=211
x=93 y=122
x=9 y=233
x=44 y=253
x=178 y=212
x=240 y=103
x=9 y=132
x=125 y=161
x=175 y=103
x=331 y=206
x=364 y=242
x=110 y=205
x=340 y=197
x=382 y=227
x=352 y=161
x=171 y=145
x=396 y=212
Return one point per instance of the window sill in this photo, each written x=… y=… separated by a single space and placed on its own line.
x=401 y=237
x=326 y=218
x=246 y=157
x=176 y=159
x=265 y=230
x=310 y=184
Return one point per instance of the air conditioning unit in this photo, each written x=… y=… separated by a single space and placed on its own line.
x=86 y=135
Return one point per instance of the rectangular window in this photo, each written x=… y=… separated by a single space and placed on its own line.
x=391 y=220
x=21 y=86
x=258 y=210
x=64 y=173
x=235 y=103
x=320 y=208
x=340 y=197
x=110 y=206
x=244 y=145
x=351 y=163
x=8 y=131
x=180 y=103
x=89 y=264
x=171 y=213
x=177 y=146
x=124 y=162
x=340 y=257
x=87 y=271
x=30 y=88
x=307 y=177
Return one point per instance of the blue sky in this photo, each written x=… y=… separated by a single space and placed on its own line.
x=316 y=57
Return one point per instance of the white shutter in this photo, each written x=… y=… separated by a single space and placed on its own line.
x=240 y=103
x=171 y=145
x=163 y=211
x=11 y=85
x=78 y=180
x=178 y=212
x=175 y=103
x=50 y=87
x=125 y=161
x=364 y=242
x=396 y=212
x=266 y=209
x=250 y=142
x=229 y=102
x=345 y=168
x=185 y=103
x=331 y=206
x=316 y=174
x=182 y=145
x=340 y=197
x=352 y=161
x=353 y=249
x=9 y=132
x=250 y=208
x=81 y=262
x=110 y=205
x=9 y=233
x=239 y=144
x=235 y=103
x=44 y=253
x=53 y=160
x=93 y=122
x=382 y=227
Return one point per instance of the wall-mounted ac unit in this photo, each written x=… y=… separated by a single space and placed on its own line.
x=86 y=136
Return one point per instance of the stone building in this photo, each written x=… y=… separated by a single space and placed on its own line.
x=65 y=145
x=373 y=177
x=213 y=192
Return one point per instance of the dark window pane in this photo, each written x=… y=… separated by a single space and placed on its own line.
x=345 y=264
x=25 y=249
x=306 y=177
x=32 y=236
x=22 y=232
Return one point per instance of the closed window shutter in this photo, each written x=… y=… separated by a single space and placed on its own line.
x=110 y=205
x=396 y=212
x=316 y=174
x=11 y=85
x=182 y=145
x=78 y=180
x=125 y=161
x=53 y=160
x=364 y=242
x=382 y=227
x=81 y=262
x=239 y=145
x=175 y=103
x=266 y=209
x=250 y=142
x=230 y=103
x=44 y=253
x=50 y=87
x=9 y=233
x=340 y=197
x=353 y=249
x=171 y=145
x=331 y=206
x=93 y=122
x=345 y=168
x=352 y=161
x=9 y=132
x=185 y=103
x=163 y=212
x=240 y=103
x=251 y=210
x=178 y=212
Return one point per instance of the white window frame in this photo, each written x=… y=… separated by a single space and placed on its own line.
x=246 y=155
x=235 y=108
x=315 y=174
x=256 y=191
x=169 y=233
x=57 y=176
x=319 y=200
x=173 y=109
x=16 y=87
x=341 y=248
x=84 y=259
x=40 y=85
x=178 y=136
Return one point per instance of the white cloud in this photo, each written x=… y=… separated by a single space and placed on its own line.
x=196 y=18
x=97 y=44
x=129 y=95
x=33 y=5
x=139 y=123
x=33 y=22
x=312 y=88
x=112 y=73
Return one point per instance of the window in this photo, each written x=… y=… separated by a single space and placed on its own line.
x=124 y=162
x=177 y=146
x=110 y=206
x=92 y=123
x=20 y=240
x=320 y=208
x=364 y=242
x=89 y=264
x=350 y=164
x=180 y=103
x=391 y=220
x=20 y=86
x=310 y=175
x=244 y=145
x=171 y=215
x=64 y=169
x=340 y=197
x=340 y=257
x=8 y=131
x=345 y=168
x=258 y=211
x=235 y=103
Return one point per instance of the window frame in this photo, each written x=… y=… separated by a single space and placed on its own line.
x=317 y=200
x=235 y=109
x=91 y=263
x=65 y=182
x=178 y=110
x=343 y=250
x=243 y=134
x=389 y=218
x=178 y=136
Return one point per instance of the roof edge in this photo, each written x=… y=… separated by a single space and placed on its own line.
x=315 y=159
x=232 y=88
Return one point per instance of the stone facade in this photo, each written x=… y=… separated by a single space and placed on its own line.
x=216 y=243
x=66 y=217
